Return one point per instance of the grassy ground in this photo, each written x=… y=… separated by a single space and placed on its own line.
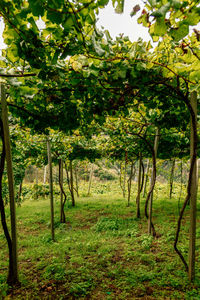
x=102 y=252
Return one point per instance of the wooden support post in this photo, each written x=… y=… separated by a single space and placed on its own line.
x=51 y=188
x=10 y=182
x=193 y=198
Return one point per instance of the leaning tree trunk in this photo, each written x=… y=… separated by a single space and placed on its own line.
x=51 y=189
x=13 y=264
x=171 y=180
x=138 y=215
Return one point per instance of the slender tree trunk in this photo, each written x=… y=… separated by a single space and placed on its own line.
x=142 y=177
x=51 y=189
x=90 y=179
x=70 y=181
x=13 y=278
x=146 y=178
x=123 y=184
x=171 y=180
x=62 y=202
x=138 y=215
x=45 y=175
x=129 y=184
x=153 y=179
x=76 y=181
x=194 y=185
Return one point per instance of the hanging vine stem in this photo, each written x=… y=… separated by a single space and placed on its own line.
x=192 y=165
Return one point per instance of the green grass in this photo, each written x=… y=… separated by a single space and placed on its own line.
x=102 y=252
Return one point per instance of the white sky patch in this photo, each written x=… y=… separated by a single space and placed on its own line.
x=123 y=23
x=2 y=45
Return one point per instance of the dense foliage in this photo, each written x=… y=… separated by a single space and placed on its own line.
x=91 y=96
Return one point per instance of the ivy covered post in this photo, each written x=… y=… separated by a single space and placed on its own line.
x=13 y=263
x=194 y=185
